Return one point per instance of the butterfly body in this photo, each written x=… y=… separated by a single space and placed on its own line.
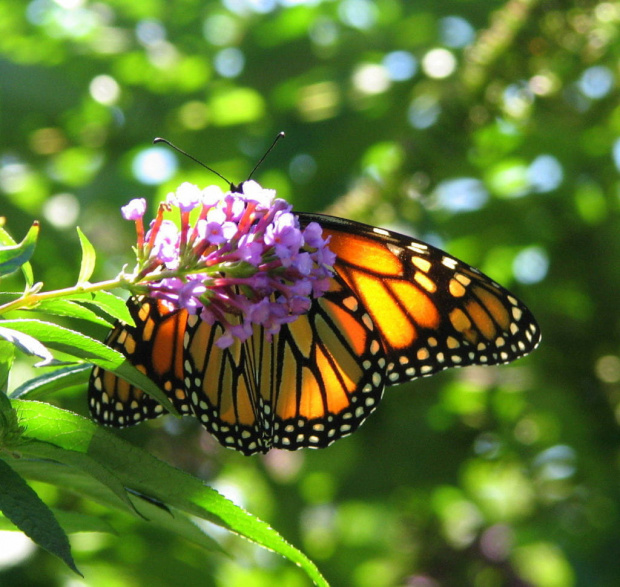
x=397 y=309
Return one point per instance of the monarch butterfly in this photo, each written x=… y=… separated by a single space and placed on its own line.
x=396 y=309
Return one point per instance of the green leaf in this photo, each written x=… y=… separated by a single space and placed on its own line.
x=27 y=344
x=72 y=309
x=79 y=345
x=10 y=430
x=109 y=303
x=20 y=504
x=66 y=340
x=7 y=240
x=71 y=523
x=14 y=256
x=175 y=522
x=7 y=355
x=48 y=383
x=88 y=258
x=83 y=462
x=140 y=471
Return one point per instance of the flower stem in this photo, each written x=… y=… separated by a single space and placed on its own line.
x=31 y=299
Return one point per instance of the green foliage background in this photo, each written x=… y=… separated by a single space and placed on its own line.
x=485 y=477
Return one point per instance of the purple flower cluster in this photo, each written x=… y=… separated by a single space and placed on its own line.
x=237 y=258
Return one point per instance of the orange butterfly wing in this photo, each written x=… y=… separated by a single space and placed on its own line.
x=316 y=381
x=155 y=347
x=397 y=309
x=432 y=310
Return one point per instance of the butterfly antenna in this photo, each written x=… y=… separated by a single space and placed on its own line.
x=167 y=142
x=279 y=136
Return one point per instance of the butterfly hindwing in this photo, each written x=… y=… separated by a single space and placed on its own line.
x=329 y=372
x=317 y=380
x=153 y=346
x=221 y=388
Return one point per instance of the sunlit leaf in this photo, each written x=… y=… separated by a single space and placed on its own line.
x=76 y=344
x=54 y=381
x=27 y=344
x=7 y=355
x=143 y=473
x=88 y=258
x=64 y=307
x=14 y=256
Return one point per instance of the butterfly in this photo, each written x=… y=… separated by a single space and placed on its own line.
x=396 y=309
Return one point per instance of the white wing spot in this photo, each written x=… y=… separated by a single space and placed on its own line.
x=449 y=262
x=417 y=247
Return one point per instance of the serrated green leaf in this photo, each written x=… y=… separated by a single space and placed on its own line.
x=176 y=522
x=14 y=256
x=83 y=462
x=66 y=340
x=20 y=504
x=48 y=383
x=88 y=258
x=142 y=472
x=62 y=476
x=71 y=309
x=82 y=346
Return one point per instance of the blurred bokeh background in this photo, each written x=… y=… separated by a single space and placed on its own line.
x=490 y=128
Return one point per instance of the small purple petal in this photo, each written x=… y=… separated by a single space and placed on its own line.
x=313 y=235
x=134 y=210
x=212 y=195
x=253 y=192
x=225 y=340
x=189 y=296
x=188 y=196
x=250 y=251
x=303 y=263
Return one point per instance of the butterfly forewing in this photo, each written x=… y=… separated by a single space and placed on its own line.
x=432 y=310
